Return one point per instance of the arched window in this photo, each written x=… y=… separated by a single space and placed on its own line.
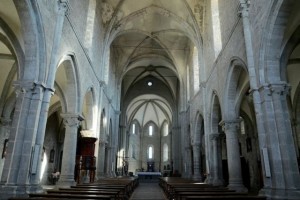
x=150 y=130
x=133 y=151
x=196 y=70
x=242 y=124
x=165 y=152
x=216 y=27
x=166 y=129
x=150 y=152
x=133 y=128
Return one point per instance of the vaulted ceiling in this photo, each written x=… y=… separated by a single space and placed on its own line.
x=152 y=40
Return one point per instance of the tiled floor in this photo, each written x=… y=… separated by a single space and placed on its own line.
x=147 y=191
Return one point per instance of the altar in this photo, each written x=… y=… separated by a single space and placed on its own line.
x=148 y=176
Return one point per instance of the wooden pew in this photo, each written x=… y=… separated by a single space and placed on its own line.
x=114 y=194
x=71 y=196
x=184 y=189
x=223 y=197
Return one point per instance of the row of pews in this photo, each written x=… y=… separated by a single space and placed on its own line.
x=108 y=188
x=176 y=188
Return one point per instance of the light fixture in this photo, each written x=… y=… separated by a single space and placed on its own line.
x=149 y=83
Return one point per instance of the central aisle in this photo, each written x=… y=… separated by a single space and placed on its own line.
x=148 y=191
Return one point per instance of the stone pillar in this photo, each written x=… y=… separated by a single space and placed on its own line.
x=280 y=151
x=111 y=161
x=188 y=162
x=196 y=154
x=253 y=79
x=49 y=89
x=233 y=155
x=71 y=122
x=101 y=159
x=107 y=160
x=215 y=174
x=22 y=156
x=4 y=135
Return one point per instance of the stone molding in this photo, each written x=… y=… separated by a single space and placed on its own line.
x=230 y=125
x=244 y=8
x=279 y=90
x=71 y=119
x=64 y=7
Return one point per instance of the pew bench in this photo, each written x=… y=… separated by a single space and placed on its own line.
x=223 y=197
x=114 y=194
x=70 y=196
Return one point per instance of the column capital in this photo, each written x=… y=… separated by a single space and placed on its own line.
x=63 y=7
x=71 y=119
x=101 y=83
x=101 y=141
x=202 y=84
x=244 y=8
x=281 y=88
x=230 y=124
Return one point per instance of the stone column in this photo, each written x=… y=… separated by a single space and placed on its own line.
x=108 y=171
x=71 y=122
x=215 y=175
x=196 y=154
x=254 y=84
x=188 y=162
x=4 y=133
x=111 y=161
x=233 y=155
x=101 y=159
x=49 y=87
x=281 y=153
x=22 y=154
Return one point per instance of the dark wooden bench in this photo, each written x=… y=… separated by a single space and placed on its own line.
x=114 y=194
x=223 y=197
x=185 y=189
x=70 y=196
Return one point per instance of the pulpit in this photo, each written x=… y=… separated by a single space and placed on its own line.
x=85 y=159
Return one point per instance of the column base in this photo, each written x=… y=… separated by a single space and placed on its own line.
x=239 y=187
x=273 y=193
x=100 y=175
x=217 y=182
x=197 y=177
x=209 y=179
x=8 y=191
x=65 y=182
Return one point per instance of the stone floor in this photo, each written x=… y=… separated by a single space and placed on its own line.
x=147 y=191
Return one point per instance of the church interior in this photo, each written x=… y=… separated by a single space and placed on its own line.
x=206 y=90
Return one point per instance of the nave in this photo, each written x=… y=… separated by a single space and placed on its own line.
x=137 y=188
x=208 y=90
